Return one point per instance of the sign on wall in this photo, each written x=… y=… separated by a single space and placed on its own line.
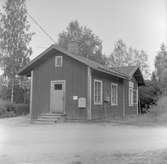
x=82 y=102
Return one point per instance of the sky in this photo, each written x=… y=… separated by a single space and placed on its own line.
x=141 y=24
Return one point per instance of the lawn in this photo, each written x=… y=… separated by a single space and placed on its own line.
x=80 y=143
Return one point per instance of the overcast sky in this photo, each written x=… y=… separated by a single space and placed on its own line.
x=141 y=24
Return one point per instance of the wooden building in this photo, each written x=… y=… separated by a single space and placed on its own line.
x=79 y=88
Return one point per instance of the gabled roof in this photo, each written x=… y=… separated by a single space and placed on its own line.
x=127 y=70
x=99 y=67
x=121 y=72
x=131 y=71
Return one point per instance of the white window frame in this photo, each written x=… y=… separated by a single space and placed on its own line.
x=136 y=90
x=56 y=59
x=131 y=87
x=137 y=96
x=131 y=97
x=115 y=85
x=101 y=96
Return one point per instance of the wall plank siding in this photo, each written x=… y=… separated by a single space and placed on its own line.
x=106 y=109
x=75 y=75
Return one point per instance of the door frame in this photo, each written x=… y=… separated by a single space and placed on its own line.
x=63 y=82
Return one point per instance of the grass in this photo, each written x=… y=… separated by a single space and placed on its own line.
x=150 y=157
x=157 y=116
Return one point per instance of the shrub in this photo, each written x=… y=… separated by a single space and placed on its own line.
x=8 y=109
x=20 y=95
x=161 y=107
x=21 y=109
x=148 y=95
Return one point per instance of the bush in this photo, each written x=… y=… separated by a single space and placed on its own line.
x=5 y=93
x=21 y=109
x=148 y=95
x=5 y=109
x=161 y=107
x=20 y=95
x=8 y=109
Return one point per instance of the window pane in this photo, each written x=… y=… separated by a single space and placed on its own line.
x=130 y=96
x=97 y=92
x=58 y=86
x=58 y=61
x=114 y=94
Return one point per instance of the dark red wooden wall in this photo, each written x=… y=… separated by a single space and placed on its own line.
x=75 y=75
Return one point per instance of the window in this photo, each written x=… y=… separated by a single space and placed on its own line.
x=98 y=92
x=58 y=86
x=114 y=94
x=131 y=93
x=58 y=61
x=135 y=96
x=130 y=96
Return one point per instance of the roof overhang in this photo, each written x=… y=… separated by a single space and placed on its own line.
x=26 y=71
x=136 y=73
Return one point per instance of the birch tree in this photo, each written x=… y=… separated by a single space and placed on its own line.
x=128 y=56
x=14 y=40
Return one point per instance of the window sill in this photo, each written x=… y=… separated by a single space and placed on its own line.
x=98 y=103
x=114 y=104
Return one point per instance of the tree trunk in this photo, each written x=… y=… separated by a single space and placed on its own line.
x=12 y=95
x=12 y=91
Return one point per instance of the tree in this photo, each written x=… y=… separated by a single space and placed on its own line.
x=124 y=56
x=161 y=66
x=140 y=59
x=14 y=40
x=119 y=56
x=89 y=44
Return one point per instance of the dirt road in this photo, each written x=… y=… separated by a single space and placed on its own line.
x=21 y=142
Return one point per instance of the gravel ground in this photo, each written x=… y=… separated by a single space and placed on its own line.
x=80 y=143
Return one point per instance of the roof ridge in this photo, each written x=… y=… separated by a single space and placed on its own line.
x=93 y=64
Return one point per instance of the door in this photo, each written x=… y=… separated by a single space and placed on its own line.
x=57 y=96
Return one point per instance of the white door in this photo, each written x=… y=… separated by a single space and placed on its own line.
x=57 y=97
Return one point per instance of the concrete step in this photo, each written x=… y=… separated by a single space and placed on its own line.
x=50 y=118
x=52 y=114
x=43 y=122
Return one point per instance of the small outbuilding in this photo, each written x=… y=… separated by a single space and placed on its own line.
x=72 y=85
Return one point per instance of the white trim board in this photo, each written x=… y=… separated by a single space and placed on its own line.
x=31 y=94
x=89 y=95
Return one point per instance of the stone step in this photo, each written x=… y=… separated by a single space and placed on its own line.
x=50 y=118
x=43 y=122
x=52 y=114
x=46 y=120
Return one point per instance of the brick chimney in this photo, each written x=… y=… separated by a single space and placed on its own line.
x=73 y=47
